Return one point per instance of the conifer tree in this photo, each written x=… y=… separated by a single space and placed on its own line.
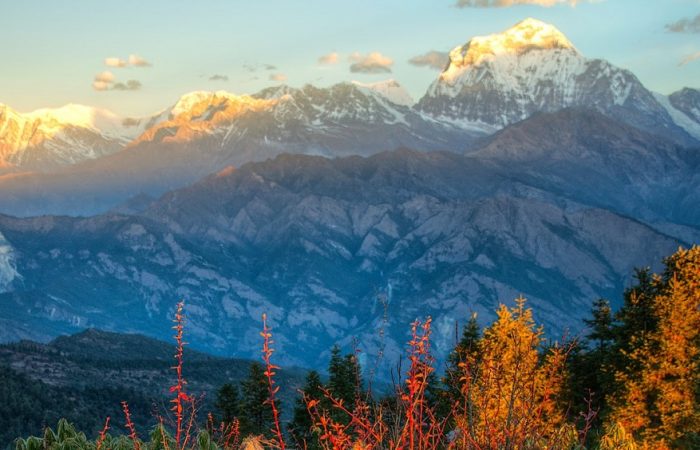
x=591 y=366
x=255 y=413
x=228 y=403
x=344 y=377
x=601 y=325
x=301 y=425
x=465 y=352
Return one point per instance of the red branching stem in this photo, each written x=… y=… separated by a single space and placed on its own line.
x=269 y=373
x=233 y=435
x=103 y=435
x=178 y=389
x=130 y=426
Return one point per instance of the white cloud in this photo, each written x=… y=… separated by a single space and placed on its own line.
x=374 y=62
x=218 y=77
x=100 y=85
x=509 y=3
x=690 y=58
x=105 y=77
x=105 y=81
x=115 y=62
x=278 y=77
x=433 y=59
x=137 y=61
x=330 y=58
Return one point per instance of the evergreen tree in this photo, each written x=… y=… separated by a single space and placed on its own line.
x=601 y=325
x=344 y=383
x=228 y=403
x=255 y=412
x=591 y=366
x=465 y=351
x=636 y=318
x=343 y=372
x=300 y=428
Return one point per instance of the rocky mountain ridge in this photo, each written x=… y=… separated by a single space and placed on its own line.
x=333 y=249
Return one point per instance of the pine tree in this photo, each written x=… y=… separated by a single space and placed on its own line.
x=591 y=365
x=255 y=413
x=601 y=325
x=228 y=403
x=300 y=428
x=344 y=381
x=466 y=350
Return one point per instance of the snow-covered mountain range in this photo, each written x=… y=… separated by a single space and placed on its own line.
x=525 y=169
x=489 y=83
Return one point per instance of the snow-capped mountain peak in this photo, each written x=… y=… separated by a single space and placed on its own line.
x=52 y=137
x=390 y=89
x=99 y=120
x=530 y=34
x=496 y=80
x=191 y=100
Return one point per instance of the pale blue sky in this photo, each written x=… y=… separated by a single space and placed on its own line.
x=52 y=50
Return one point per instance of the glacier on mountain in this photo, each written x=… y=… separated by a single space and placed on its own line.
x=8 y=270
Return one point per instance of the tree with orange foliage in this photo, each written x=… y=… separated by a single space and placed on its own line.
x=510 y=390
x=658 y=400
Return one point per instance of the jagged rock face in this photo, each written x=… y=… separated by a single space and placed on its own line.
x=205 y=132
x=347 y=118
x=687 y=100
x=497 y=80
x=314 y=241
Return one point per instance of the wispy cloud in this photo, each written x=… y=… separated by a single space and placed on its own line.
x=257 y=67
x=101 y=85
x=137 y=61
x=105 y=77
x=690 y=58
x=218 y=77
x=280 y=77
x=509 y=3
x=685 y=25
x=105 y=81
x=433 y=59
x=374 y=62
x=133 y=61
x=330 y=58
x=130 y=85
x=115 y=62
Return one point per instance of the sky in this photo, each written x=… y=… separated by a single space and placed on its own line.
x=138 y=57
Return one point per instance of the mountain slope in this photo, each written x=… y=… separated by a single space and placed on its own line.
x=85 y=377
x=204 y=132
x=496 y=80
x=314 y=241
x=599 y=161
